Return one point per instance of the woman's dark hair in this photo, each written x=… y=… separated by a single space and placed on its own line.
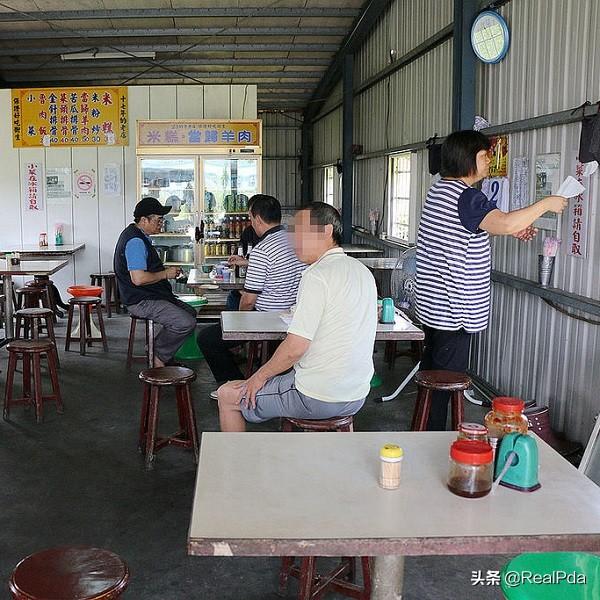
x=459 y=152
x=322 y=214
x=265 y=207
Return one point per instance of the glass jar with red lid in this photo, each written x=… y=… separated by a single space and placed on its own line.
x=505 y=417
x=471 y=468
x=472 y=431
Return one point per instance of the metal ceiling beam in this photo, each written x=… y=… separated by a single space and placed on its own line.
x=31 y=51
x=152 y=13
x=172 y=31
x=360 y=30
x=202 y=75
x=174 y=62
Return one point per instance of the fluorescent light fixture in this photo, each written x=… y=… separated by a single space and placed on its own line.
x=106 y=55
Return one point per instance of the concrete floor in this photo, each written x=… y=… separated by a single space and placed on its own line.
x=78 y=479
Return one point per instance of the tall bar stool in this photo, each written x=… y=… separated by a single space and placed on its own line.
x=148 y=356
x=108 y=282
x=341 y=578
x=154 y=381
x=439 y=381
x=29 y=322
x=86 y=305
x=70 y=573
x=31 y=351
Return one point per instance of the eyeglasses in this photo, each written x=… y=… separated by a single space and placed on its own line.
x=155 y=218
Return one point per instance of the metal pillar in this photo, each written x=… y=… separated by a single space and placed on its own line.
x=347 y=159
x=388 y=578
x=463 y=72
x=305 y=162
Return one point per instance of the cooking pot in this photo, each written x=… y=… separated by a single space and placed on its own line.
x=181 y=254
x=162 y=252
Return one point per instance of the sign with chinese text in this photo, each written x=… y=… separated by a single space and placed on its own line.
x=201 y=133
x=497 y=189
x=33 y=196
x=520 y=183
x=578 y=216
x=498 y=154
x=78 y=116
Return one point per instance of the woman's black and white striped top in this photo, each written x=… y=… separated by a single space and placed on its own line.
x=453 y=259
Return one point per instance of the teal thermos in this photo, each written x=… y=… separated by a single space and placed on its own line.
x=387 y=311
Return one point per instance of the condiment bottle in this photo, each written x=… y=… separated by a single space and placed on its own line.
x=387 y=312
x=472 y=431
x=505 y=417
x=471 y=470
x=390 y=459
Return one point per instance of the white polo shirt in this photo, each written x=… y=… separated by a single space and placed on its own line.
x=337 y=311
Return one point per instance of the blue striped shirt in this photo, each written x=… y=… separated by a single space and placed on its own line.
x=453 y=259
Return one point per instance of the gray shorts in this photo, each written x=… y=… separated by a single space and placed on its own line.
x=280 y=398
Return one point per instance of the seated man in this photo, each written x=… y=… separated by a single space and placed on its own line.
x=324 y=366
x=142 y=280
x=272 y=280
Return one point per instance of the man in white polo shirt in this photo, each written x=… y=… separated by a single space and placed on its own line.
x=324 y=366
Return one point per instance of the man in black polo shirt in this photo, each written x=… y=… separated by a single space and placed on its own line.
x=143 y=281
x=272 y=280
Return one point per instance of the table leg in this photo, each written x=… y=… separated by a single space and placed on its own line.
x=9 y=331
x=388 y=578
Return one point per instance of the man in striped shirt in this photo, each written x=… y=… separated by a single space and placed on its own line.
x=454 y=258
x=272 y=280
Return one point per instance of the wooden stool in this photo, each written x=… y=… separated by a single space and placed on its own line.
x=30 y=320
x=31 y=351
x=341 y=579
x=108 y=282
x=335 y=424
x=44 y=282
x=70 y=573
x=148 y=356
x=32 y=297
x=439 y=381
x=86 y=304
x=187 y=437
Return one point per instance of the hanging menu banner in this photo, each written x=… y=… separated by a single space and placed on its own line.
x=78 y=116
x=201 y=133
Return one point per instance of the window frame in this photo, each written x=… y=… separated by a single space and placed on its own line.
x=392 y=195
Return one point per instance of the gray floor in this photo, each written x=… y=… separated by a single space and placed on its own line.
x=78 y=479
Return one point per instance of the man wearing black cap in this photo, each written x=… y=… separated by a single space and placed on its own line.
x=143 y=281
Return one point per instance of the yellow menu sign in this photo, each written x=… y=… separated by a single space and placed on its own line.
x=75 y=116
x=202 y=133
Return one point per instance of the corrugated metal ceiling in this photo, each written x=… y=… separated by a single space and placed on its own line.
x=284 y=46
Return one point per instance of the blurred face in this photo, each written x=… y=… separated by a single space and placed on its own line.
x=151 y=224
x=483 y=164
x=310 y=241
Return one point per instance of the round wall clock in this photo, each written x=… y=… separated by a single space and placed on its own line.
x=490 y=37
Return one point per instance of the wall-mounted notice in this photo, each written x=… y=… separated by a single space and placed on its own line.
x=84 y=183
x=33 y=192
x=498 y=154
x=58 y=185
x=578 y=216
x=111 y=180
x=547 y=182
x=497 y=190
x=519 y=183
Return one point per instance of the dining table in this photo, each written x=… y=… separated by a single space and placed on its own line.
x=198 y=279
x=29 y=251
x=360 y=249
x=24 y=268
x=317 y=494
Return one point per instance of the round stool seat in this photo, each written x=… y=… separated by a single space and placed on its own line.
x=111 y=275
x=37 y=283
x=167 y=375
x=448 y=381
x=32 y=313
x=30 y=290
x=76 y=573
x=322 y=424
x=30 y=346
x=85 y=300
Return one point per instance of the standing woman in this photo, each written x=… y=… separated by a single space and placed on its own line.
x=454 y=257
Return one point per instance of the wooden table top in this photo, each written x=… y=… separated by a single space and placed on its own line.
x=278 y=494
x=360 y=249
x=35 y=250
x=258 y=325
x=380 y=264
x=32 y=267
x=197 y=278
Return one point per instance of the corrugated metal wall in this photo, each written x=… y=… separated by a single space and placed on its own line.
x=531 y=350
x=282 y=148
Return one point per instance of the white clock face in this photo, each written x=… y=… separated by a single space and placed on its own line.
x=490 y=37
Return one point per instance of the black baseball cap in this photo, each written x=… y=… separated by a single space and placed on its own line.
x=149 y=206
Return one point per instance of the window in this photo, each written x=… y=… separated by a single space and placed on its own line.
x=329 y=185
x=399 y=196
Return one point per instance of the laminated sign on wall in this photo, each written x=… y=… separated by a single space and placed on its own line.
x=33 y=187
x=84 y=184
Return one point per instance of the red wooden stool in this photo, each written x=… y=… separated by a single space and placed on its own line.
x=148 y=356
x=108 y=282
x=341 y=579
x=31 y=351
x=70 y=573
x=86 y=305
x=30 y=321
x=187 y=437
x=439 y=381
